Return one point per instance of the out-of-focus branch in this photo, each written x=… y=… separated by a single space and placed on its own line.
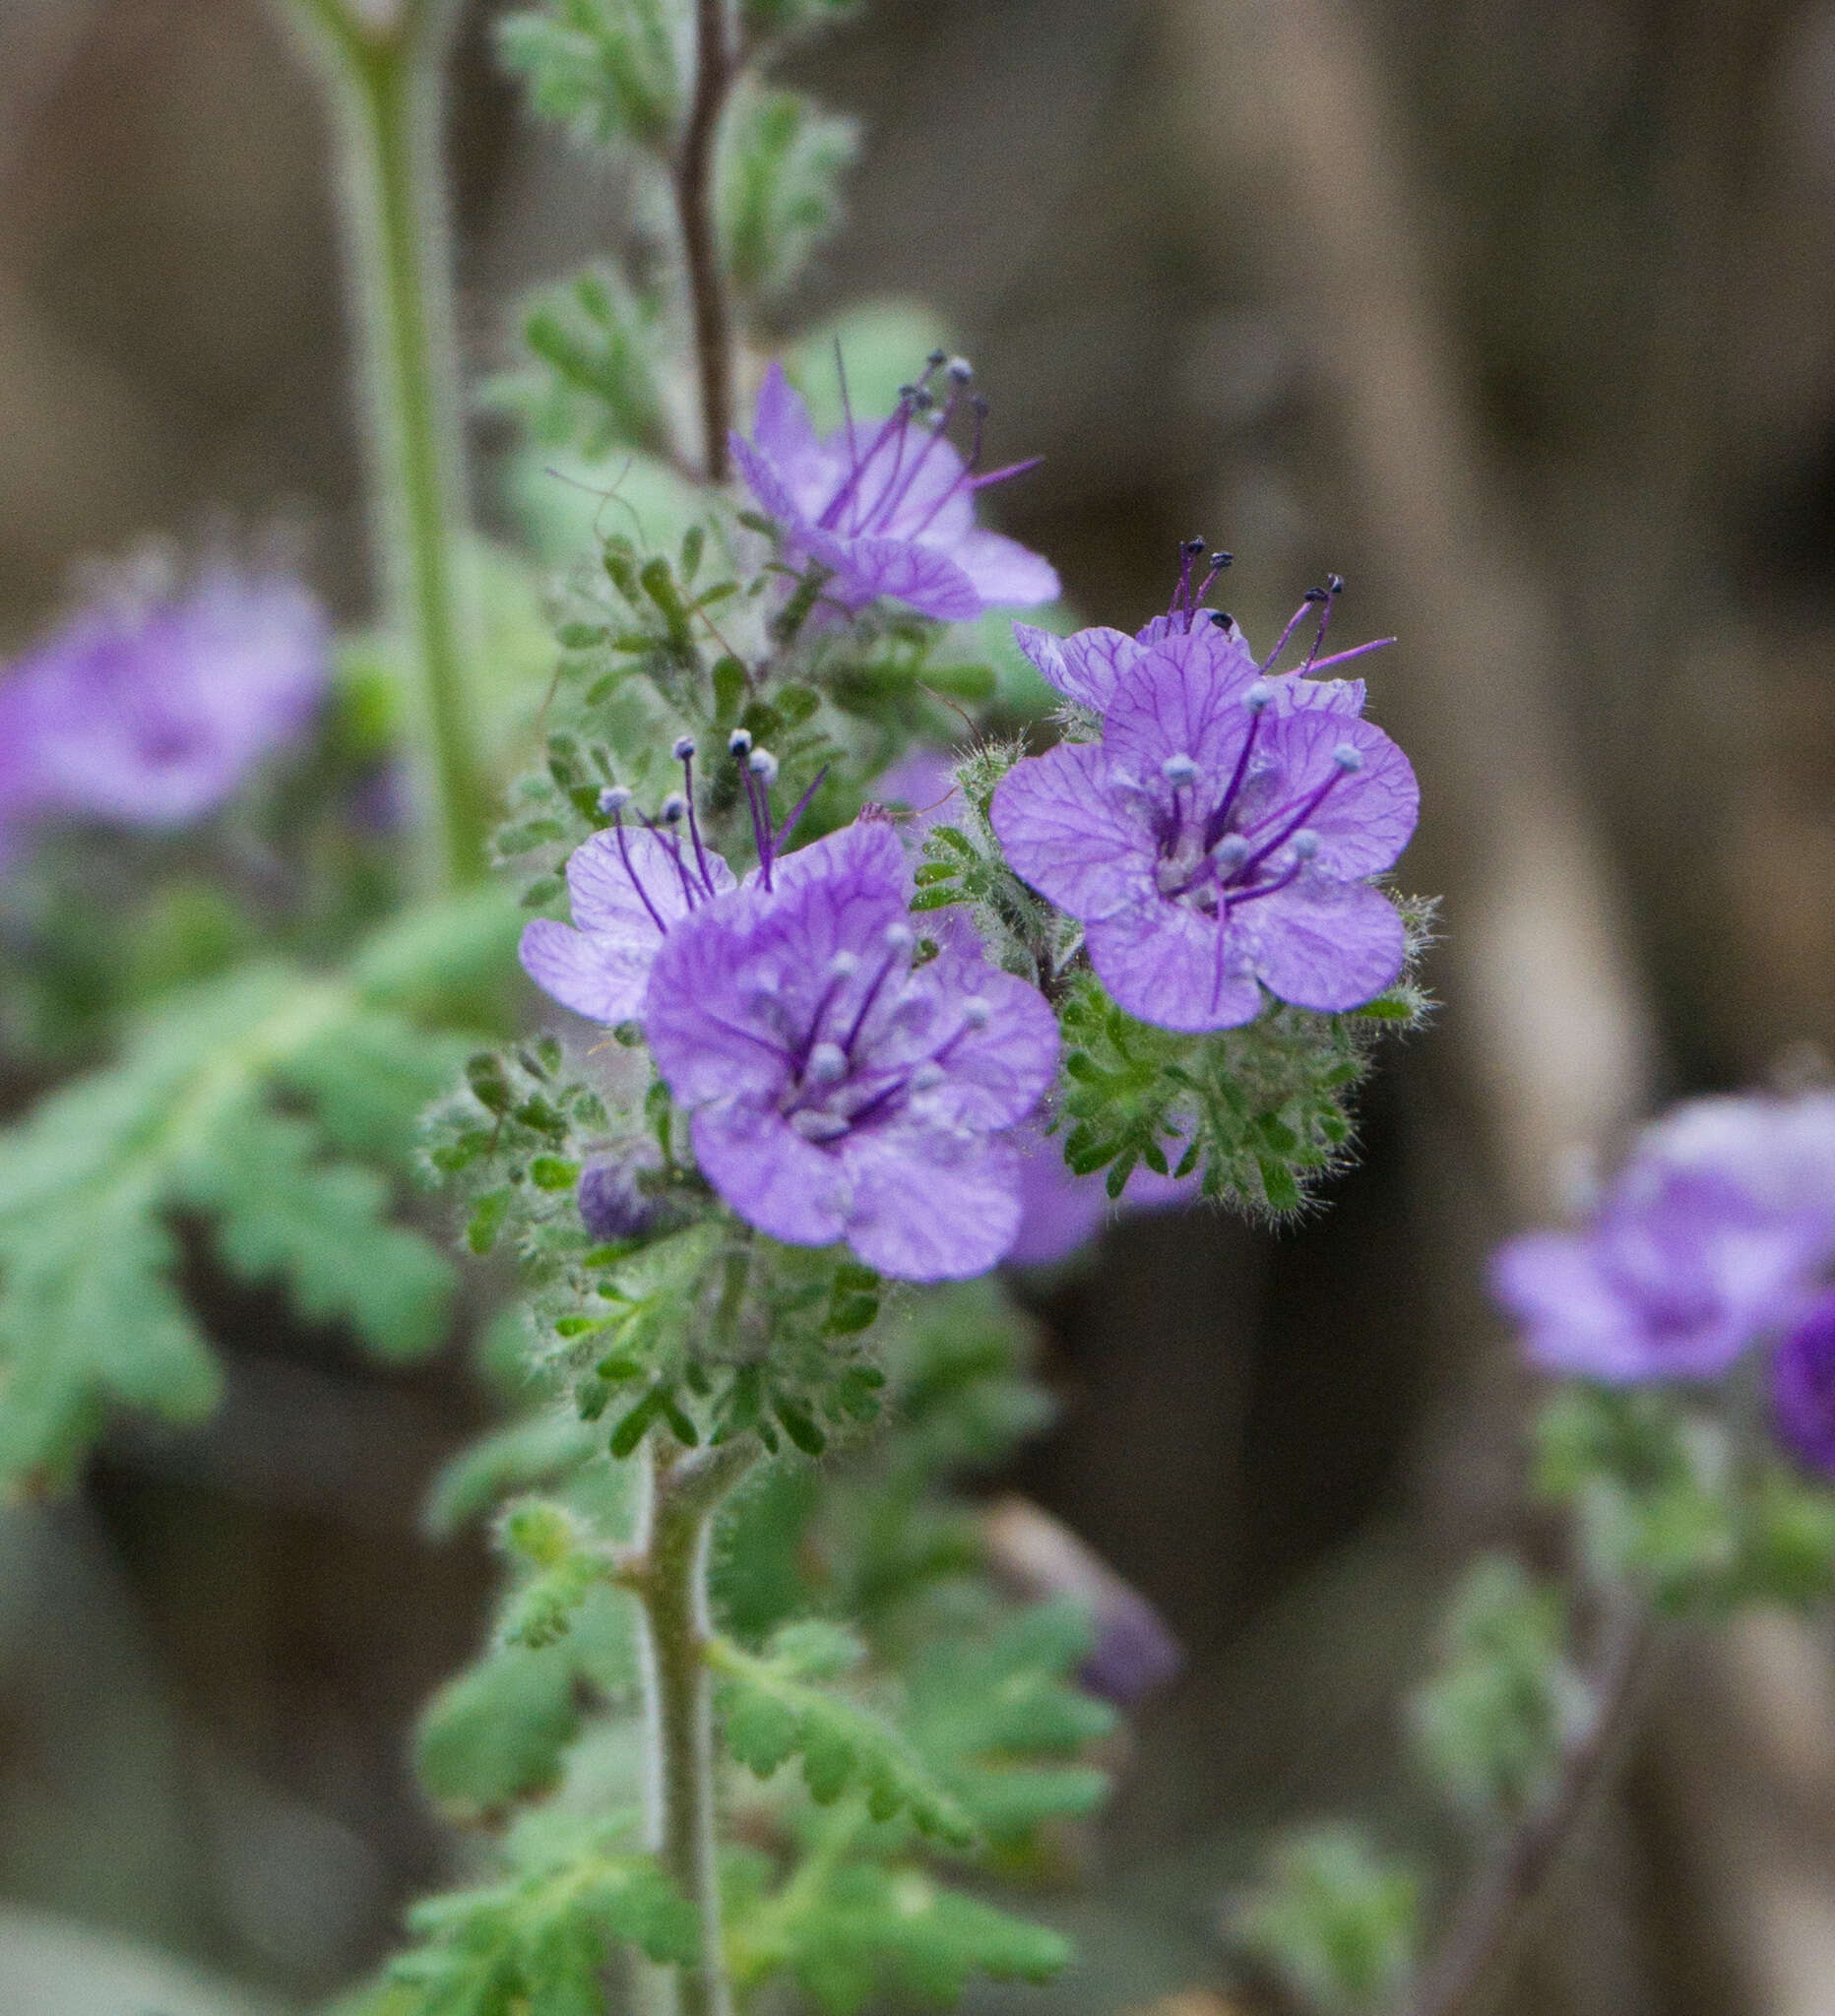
x=1284 y=99
x=694 y=206
x=1491 y=1919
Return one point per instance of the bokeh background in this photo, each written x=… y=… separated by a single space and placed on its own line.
x=1520 y=317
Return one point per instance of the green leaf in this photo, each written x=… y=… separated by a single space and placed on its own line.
x=1335 y=1923
x=779 y=197
x=771 y=1712
x=609 y=69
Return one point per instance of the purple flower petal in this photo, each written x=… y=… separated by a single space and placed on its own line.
x=1175 y=967
x=1367 y=815
x=1066 y=834
x=867 y=568
x=1004 y=572
x=931 y=1206
x=1577 y=1325
x=1323 y=944
x=608 y=879
x=771 y=1176
x=1803 y=1388
x=600 y=977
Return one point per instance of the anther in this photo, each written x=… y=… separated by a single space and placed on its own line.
x=900 y=937
x=1256 y=695
x=1219 y=561
x=1305 y=843
x=674 y=809
x=937 y=359
x=682 y=748
x=1318 y=594
x=613 y=798
x=1349 y=757
x=1195 y=547
x=762 y=764
x=1335 y=583
x=828 y=1064
x=1177 y=770
x=1229 y=854
x=844 y=966
x=961 y=370
x=976 y=1013
x=927 y=1076
x=1222 y=619
x=740 y=744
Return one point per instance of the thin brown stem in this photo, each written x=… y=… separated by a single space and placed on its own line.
x=1475 y=1957
x=694 y=208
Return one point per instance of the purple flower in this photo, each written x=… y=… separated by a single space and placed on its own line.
x=626 y=890
x=1216 y=840
x=153 y=715
x=837 y=1091
x=1780 y=1150
x=614 y=1205
x=1803 y=1388
x=1680 y=1272
x=888 y=506
x=1060 y=1212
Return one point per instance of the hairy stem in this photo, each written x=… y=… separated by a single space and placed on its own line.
x=1480 y=1945
x=694 y=208
x=385 y=78
x=669 y=1575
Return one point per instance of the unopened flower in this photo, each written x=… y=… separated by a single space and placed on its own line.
x=1216 y=841
x=837 y=1090
x=1802 y=1387
x=888 y=506
x=613 y=1204
x=1680 y=1271
x=153 y=713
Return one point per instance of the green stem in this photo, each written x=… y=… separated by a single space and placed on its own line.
x=385 y=80
x=668 y=1574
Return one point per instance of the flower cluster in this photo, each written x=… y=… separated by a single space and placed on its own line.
x=1218 y=838
x=1716 y=1234
x=842 y=1082
x=887 y=507
x=152 y=712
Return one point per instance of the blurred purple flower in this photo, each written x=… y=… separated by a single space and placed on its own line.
x=1802 y=1387
x=154 y=713
x=613 y=1206
x=837 y=1091
x=887 y=506
x=1216 y=841
x=1678 y=1273
x=1060 y=1212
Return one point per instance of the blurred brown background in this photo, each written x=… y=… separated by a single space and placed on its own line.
x=1523 y=319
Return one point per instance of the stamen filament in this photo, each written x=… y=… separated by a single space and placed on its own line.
x=797 y=811
x=630 y=868
x=694 y=825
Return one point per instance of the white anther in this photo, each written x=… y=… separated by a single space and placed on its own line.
x=1177 y=770
x=928 y=1077
x=740 y=743
x=960 y=369
x=975 y=1012
x=843 y=966
x=761 y=762
x=1305 y=843
x=1258 y=695
x=683 y=748
x=1349 y=757
x=673 y=808
x=815 y=1125
x=1230 y=853
x=828 y=1064
x=614 y=797
x=900 y=938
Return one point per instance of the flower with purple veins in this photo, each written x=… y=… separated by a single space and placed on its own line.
x=153 y=713
x=888 y=506
x=1803 y=1388
x=1680 y=1272
x=1086 y=666
x=837 y=1091
x=1215 y=843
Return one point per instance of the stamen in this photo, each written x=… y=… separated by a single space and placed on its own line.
x=1334 y=588
x=684 y=755
x=614 y=799
x=847 y=406
x=740 y=744
x=763 y=766
x=757 y=804
x=1347 y=760
x=1255 y=700
x=1338 y=657
x=1181 y=595
x=797 y=811
x=895 y=421
x=1177 y=770
x=671 y=810
x=1219 y=561
x=630 y=867
x=1294 y=622
x=828 y=1064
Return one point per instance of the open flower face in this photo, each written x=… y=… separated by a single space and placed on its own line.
x=153 y=713
x=1679 y=1273
x=1216 y=841
x=838 y=1091
x=888 y=506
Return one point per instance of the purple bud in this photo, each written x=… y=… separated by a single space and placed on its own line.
x=682 y=748
x=612 y=1205
x=613 y=798
x=1803 y=1388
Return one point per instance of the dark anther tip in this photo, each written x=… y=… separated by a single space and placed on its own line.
x=978 y=405
x=937 y=359
x=1336 y=582
x=1318 y=594
x=1195 y=547
x=1221 y=560
x=1221 y=618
